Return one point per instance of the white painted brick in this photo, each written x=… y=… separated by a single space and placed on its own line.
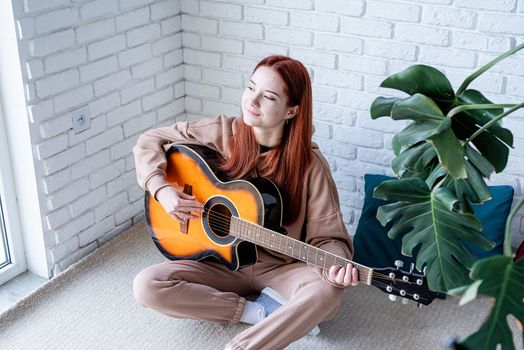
x=171 y=110
x=487 y=83
x=40 y=111
x=324 y=94
x=54 y=84
x=333 y=114
x=443 y=56
x=55 y=126
x=192 y=72
x=515 y=86
x=323 y=130
x=96 y=231
x=367 y=27
x=129 y=211
x=120 y=115
x=98 y=69
x=34 y=69
x=73 y=98
x=393 y=10
x=449 y=17
x=243 y=30
x=64 y=60
x=383 y=124
x=174 y=58
x=502 y=23
x=338 y=43
x=121 y=183
x=161 y=10
x=63 y=159
x=87 y=202
x=241 y=63
x=107 y=208
x=340 y=151
x=414 y=33
x=98 y=8
x=102 y=176
x=341 y=7
x=143 y=34
x=132 y=19
x=94 y=31
x=481 y=42
x=206 y=59
x=129 y=4
x=71 y=229
x=106 y=47
x=261 y=49
x=171 y=25
x=356 y=100
x=135 y=55
x=315 y=21
x=292 y=4
x=137 y=90
x=103 y=140
x=59 y=19
x=167 y=44
x=73 y=258
x=112 y=82
x=363 y=64
x=57 y=180
x=157 y=99
x=202 y=90
x=104 y=104
x=60 y=251
x=289 y=36
x=38 y=5
x=67 y=194
x=54 y=42
x=390 y=50
x=191 y=40
x=331 y=77
x=358 y=169
x=51 y=147
x=86 y=166
x=124 y=148
x=214 y=43
x=231 y=95
x=57 y=218
x=180 y=89
x=314 y=58
x=25 y=28
x=222 y=10
x=134 y=192
x=232 y=79
x=266 y=16
x=499 y=6
x=170 y=76
x=212 y=108
x=199 y=24
x=510 y=65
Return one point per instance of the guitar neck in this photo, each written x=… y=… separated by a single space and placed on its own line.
x=288 y=246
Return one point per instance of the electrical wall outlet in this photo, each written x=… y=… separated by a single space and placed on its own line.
x=81 y=119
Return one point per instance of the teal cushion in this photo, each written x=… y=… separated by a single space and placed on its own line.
x=373 y=247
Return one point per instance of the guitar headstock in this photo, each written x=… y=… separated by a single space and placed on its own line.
x=409 y=285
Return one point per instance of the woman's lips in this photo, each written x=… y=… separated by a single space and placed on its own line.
x=252 y=112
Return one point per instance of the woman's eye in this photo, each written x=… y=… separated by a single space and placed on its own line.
x=250 y=88
x=270 y=98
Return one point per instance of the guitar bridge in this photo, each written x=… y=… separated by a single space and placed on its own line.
x=188 y=189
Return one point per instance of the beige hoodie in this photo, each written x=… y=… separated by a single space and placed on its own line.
x=320 y=211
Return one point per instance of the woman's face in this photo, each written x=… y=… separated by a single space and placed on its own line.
x=264 y=102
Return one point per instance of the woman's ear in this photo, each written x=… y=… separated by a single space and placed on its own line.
x=291 y=112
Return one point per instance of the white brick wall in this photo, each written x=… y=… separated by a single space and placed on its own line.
x=141 y=63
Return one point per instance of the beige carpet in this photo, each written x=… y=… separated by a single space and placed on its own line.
x=91 y=306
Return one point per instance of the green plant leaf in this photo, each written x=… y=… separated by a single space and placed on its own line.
x=449 y=150
x=416 y=132
x=424 y=80
x=418 y=108
x=503 y=279
x=381 y=106
x=430 y=219
x=414 y=159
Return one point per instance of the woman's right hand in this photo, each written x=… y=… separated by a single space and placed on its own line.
x=179 y=205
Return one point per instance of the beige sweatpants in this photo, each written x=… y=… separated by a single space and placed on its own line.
x=209 y=291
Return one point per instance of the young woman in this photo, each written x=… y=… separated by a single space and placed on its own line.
x=272 y=139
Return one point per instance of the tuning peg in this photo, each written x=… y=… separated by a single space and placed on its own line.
x=416 y=296
x=419 y=305
x=389 y=289
x=402 y=292
x=405 y=301
x=411 y=268
x=399 y=264
x=392 y=297
x=405 y=278
x=419 y=281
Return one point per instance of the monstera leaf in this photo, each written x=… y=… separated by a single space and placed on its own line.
x=503 y=279
x=431 y=219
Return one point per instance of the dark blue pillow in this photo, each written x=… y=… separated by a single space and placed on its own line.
x=373 y=247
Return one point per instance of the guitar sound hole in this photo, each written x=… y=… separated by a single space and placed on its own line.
x=219 y=219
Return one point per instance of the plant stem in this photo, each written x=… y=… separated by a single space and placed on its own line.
x=507 y=242
x=463 y=108
x=484 y=68
x=493 y=121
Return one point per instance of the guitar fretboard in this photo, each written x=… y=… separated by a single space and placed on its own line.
x=299 y=250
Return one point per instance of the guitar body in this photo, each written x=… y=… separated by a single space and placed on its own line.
x=194 y=169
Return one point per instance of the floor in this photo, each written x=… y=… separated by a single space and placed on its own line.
x=17 y=288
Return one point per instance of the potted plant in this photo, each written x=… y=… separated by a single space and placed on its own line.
x=454 y=142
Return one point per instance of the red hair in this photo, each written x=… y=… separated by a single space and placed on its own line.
x=286 y=163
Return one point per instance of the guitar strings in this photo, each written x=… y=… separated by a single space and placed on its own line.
x=223 y=222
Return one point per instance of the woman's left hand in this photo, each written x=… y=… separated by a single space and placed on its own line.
x=343 y=275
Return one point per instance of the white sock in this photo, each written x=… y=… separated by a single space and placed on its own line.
x=253 y=313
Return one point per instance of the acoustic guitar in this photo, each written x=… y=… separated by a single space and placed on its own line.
x=240 y=215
